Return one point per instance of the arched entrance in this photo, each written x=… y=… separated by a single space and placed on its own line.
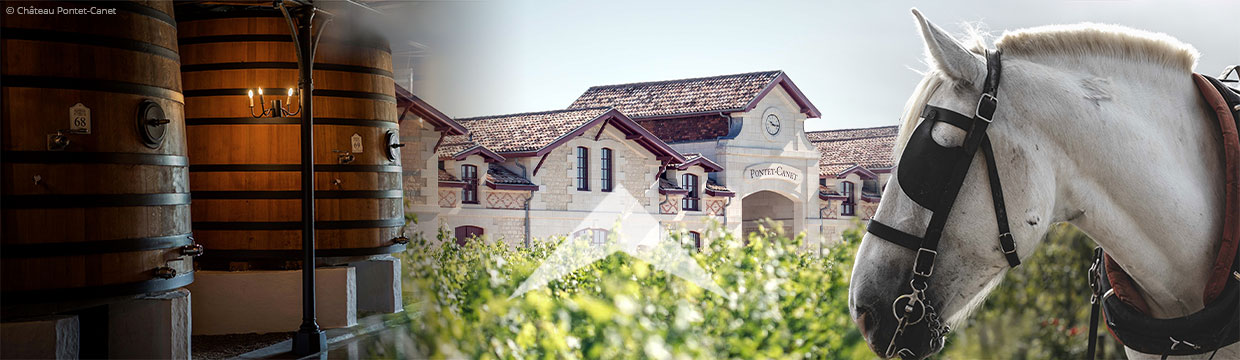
x=768 y=205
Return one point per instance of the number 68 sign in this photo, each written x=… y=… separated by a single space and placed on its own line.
x=79 y=119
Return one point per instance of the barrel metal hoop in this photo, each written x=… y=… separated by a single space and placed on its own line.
x=290 y=121
x=9 y=251
x=317 y=92
x=53 y=82
x=75 y=157
x=293 y=167
x=101 y=291
x=60 y=201
x=88 y=39
x=296 y=194
x=296 y=225
x=242 y=38
x=298 y=254
x=284 y=65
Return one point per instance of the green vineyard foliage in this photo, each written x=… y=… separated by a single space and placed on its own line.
x=782 y=301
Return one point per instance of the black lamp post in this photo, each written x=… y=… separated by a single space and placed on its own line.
x=300 y=16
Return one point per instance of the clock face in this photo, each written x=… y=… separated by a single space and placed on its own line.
x=771 y=124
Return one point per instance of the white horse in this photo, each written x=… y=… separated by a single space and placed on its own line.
x=1099 y=126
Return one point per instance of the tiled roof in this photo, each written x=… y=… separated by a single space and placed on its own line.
x=666 y=186
x=842 y=134
x=699 y=160
x=684 y=96
x=408 y=101
x=825 y=191
x=840 y=150
x=522 y=132
x=688 y=128
x=450 y=150
x=713 y=188
x=498 y=174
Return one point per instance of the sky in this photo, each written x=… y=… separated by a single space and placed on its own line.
x=857 y=61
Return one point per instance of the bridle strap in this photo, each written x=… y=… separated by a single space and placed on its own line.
x=927 y=249
x=1007 y=244
x=906 y=240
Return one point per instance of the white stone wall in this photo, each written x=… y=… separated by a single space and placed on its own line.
x=420 y=171
x=558 y=207
x=789 y=147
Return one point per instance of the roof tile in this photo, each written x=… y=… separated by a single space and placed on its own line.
x=842 y=149
x=519 y=132
x=497 y=174
x=683 y=96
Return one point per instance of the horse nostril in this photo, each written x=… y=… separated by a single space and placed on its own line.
x=864 y=321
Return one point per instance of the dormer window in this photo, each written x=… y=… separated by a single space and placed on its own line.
x=469 y=175
x=690 y=183
x=849 y=207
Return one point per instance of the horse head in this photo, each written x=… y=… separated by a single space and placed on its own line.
x=969 y=261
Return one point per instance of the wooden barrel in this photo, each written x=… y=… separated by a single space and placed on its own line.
x=245 y=172
x=95 y=195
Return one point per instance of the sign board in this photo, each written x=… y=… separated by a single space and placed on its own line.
x=79 y=119
x=775 y=171
x=355 y=143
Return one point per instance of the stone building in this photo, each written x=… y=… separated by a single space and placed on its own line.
x=728 y=149
x=853 y=171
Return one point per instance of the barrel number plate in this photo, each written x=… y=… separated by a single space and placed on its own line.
x=79 y=119
x=355 y=143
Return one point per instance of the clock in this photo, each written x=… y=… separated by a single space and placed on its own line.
x=771 y=124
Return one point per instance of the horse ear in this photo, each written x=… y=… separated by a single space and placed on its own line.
x=952 y=57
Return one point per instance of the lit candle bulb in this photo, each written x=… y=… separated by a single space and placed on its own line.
x=289 y=98
x=251 y=94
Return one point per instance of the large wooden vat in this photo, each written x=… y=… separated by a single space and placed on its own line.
x=245 y=172
x=104 y=213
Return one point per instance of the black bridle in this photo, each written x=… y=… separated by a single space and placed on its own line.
x=940 y=172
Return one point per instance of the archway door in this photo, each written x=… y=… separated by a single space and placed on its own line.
x=768 y=205
x=463 y=233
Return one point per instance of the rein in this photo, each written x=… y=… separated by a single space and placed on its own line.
x=939 y=197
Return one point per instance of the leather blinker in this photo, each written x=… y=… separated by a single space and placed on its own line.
x=925 y=166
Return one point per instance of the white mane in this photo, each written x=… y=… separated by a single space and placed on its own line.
x=1079 y=40
x=1099 y=40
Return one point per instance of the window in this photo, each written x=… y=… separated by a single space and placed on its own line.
x=596 y=237
x=697 y=240
x=583 y=169
x=822 y=181
x=690 y=202
x=606 y=171
x=849 y=207
x=469 y=193
x=464 y=233
x=441 y=165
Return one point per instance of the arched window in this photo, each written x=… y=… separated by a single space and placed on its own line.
x=606 y=165
x=466 y=232
x=597 y=237
x=849 y=207
x=583 y=168
x=696 y=238
x=690 y=183
x=469 y=174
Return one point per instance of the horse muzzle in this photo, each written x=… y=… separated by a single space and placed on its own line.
x=906 y=328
